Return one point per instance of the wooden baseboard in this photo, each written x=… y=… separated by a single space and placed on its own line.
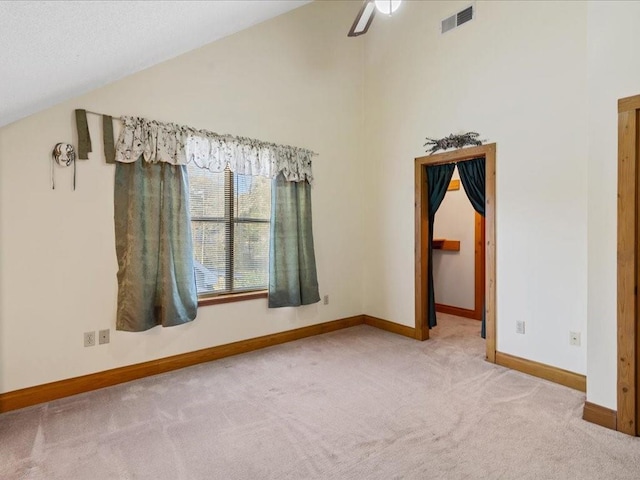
x=390 y=326
x=86 y=383
x=458 y=312
x=553 y=374
x=602 y=416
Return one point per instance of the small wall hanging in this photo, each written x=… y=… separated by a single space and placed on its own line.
x=64 y=155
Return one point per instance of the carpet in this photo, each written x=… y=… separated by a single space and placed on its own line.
x=359 y=403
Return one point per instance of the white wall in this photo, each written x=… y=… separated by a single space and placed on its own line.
x=517 y=75
x=613 y=73
x=454 y=272
x=296 y=79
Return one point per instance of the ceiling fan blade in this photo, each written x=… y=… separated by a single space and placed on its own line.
x=363 y=20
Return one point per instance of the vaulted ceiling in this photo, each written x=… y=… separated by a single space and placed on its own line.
x=51 y=51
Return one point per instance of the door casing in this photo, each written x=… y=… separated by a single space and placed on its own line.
x=488 y=152
x=628 y=272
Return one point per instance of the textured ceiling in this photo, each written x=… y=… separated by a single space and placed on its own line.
x=51 y=51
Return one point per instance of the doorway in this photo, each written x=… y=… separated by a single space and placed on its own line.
x=488 y=152
x=474 y=313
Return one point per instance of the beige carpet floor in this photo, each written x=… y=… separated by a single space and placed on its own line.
x=359 y=403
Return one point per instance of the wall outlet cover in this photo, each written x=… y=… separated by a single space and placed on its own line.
x=574 y=338
x=89 y=339
x=103 y=336
x=520 y=327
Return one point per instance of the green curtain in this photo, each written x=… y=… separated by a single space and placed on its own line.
x=156 y=281
x=472 y=175
x=438 y=178
x=293 y=278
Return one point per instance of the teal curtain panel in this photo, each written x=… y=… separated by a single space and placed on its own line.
x=156 y=282
x=293 y=279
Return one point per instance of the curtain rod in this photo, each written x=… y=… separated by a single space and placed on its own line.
x=118 y=118
x=101 y=114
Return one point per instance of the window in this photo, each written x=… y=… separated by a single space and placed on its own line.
x=230 y=216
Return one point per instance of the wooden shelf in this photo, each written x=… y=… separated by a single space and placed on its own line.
x=444 y=244
x=453 y=185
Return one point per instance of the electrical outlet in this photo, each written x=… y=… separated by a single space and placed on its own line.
x=89 y=339
x=574 y=338
x=103 y=336
x=326 y=300
x=520 y=327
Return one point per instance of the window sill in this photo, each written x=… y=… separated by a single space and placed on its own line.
x=233 y=297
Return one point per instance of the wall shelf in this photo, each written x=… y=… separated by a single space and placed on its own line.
x=444 y=244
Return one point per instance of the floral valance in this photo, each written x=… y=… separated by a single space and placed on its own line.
x=179 y=145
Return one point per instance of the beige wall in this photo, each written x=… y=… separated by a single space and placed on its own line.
x=613 y=73
x=517 y=75
x=296 y=79
x=454 y=272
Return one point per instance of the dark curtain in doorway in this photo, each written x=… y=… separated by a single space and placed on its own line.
x=472 y=175
x=438 y=178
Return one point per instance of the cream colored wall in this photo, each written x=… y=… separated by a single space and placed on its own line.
x=613 y=73
x=517 y=75
x=454 y=272
x=296 y=79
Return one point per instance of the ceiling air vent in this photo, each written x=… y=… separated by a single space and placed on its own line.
x=463 y=16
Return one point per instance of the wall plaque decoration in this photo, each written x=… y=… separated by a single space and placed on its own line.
x=63 y=155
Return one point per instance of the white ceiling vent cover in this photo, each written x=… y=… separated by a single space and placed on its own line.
x=457 y=19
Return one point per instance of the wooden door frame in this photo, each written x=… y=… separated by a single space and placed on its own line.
x=628 y=235
x=488 y=152
x=478 y=276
